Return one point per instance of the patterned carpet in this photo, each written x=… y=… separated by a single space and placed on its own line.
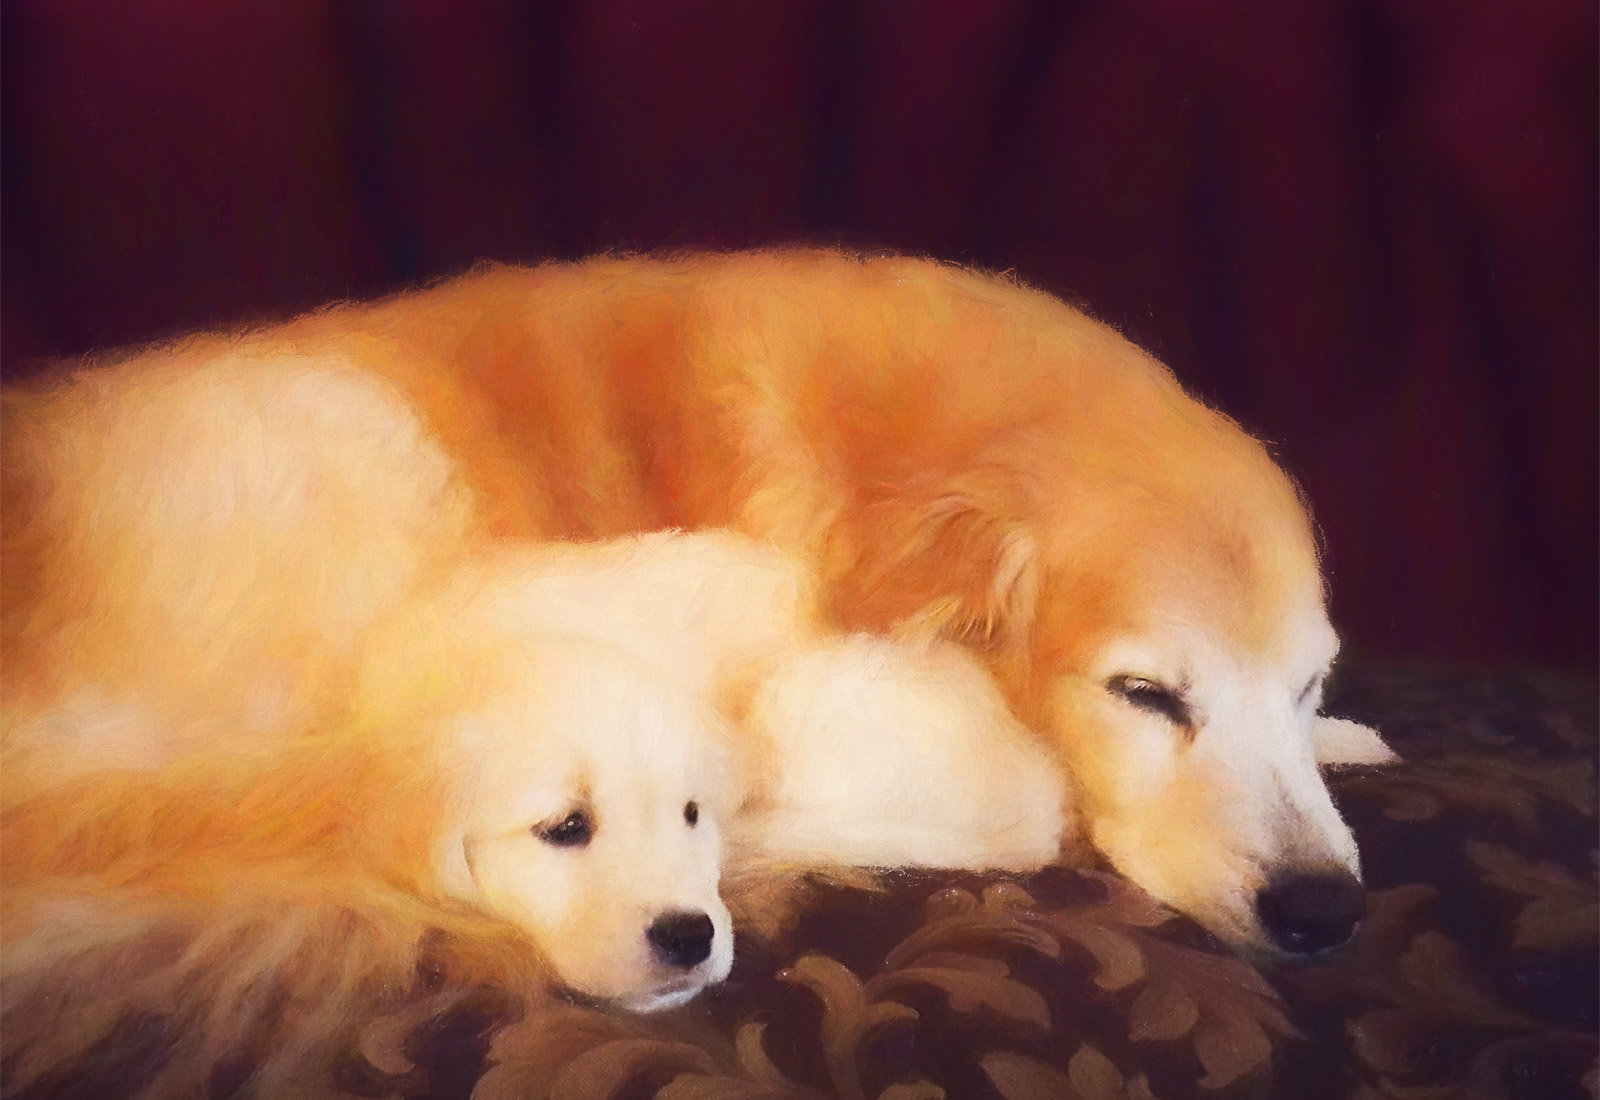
x=1474 y=976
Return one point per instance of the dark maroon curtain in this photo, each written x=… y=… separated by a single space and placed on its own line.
x=1366 y=229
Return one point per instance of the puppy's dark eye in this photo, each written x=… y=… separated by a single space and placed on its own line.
x=1153 y=697
x=573 y=831
x=691 y=813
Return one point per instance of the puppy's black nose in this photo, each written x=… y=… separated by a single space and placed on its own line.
x=681 y=939
x=1306 y=913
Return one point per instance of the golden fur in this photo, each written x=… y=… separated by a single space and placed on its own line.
x=237 y=913
x=199 y=535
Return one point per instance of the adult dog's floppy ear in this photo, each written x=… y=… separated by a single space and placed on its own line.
x=1339 y=741
x=962 y=566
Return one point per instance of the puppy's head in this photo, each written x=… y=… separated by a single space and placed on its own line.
x=585 y=796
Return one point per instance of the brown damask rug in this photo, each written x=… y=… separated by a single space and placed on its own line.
x=1475 y=975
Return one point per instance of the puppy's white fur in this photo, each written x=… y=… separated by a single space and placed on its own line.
x=880 y=753
x=579 y=678
x=570 y=726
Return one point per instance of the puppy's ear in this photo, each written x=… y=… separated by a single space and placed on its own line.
x=956 y=567
x=1339 y=741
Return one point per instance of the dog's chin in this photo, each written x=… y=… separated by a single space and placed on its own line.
x=1245 y=937
x=1261 y=952
x=1232 y=927
x=663 y=998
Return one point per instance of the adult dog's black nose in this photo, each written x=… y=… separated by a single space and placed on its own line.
x=1306 y=913
x=681 y=939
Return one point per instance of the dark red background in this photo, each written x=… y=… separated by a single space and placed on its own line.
x=1368 y=229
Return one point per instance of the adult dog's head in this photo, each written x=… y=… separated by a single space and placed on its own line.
x=1181 y=661
x=1145 y=581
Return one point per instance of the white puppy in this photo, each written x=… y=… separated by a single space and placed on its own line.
x=575 y=683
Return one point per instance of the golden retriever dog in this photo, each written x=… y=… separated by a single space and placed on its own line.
x=955 y=457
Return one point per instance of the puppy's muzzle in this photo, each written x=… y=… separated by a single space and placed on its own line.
x=1305 y=913
x=681 y=940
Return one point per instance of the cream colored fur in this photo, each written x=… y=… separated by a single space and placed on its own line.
x=581 y=678
x=198 y=536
